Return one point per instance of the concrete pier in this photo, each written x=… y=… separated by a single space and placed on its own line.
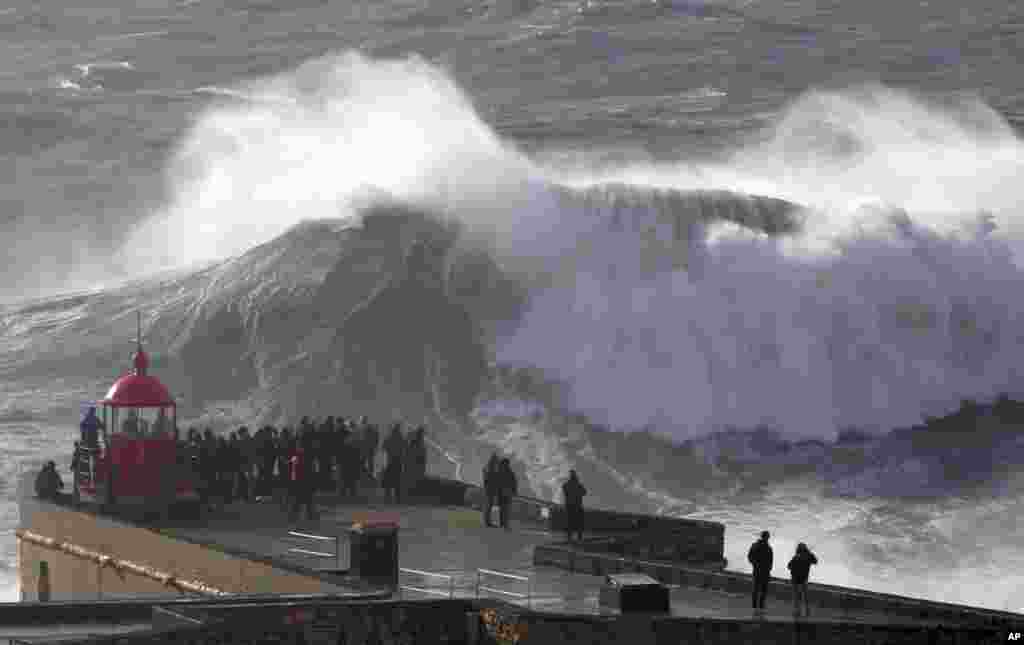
x=526 y=573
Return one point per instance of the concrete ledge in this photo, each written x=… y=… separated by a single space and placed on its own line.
x=557 y=555
x=535 y=627
x=485 y=622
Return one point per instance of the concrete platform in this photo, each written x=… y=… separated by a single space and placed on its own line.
x=452 y=542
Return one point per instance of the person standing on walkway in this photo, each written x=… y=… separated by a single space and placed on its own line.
x=760 y=557
x=415 y=461
x=391 y=478
x=490 y=487
x=799 y=570
x=507 y=489
x=573 y=492
x=48 y=482
x=225 y=470
x=303 y=476
x=268 y=456
x=370 y=441
x=283 y=448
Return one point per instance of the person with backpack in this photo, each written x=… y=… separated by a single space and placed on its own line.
x=799 y=571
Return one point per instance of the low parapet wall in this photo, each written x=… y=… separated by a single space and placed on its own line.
x=491 y=622
x=825 y=596
x=670 y=538
x=527 y=627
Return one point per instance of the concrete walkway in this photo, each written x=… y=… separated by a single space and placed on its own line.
x=452 y=541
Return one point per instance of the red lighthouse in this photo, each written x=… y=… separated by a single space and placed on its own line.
x=137 y=461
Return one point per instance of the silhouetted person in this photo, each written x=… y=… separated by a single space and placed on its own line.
x=415 y=460
x=760 y=557
x=90 y=427
x=348 y=459
x=226 y=469
x=48 y=482
x=243 y=463
x=391 y=478
x=371 y=439
x=507 y=489
x=267 y=457
x=490 y=487
x=304 y=484
x=76 y=457
x=573 y=492
x=284 y=446
x=799 y=570
x=208 y=466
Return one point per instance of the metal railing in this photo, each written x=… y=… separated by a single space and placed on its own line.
x=429 y=574
x=319 y=554
x=480 y=573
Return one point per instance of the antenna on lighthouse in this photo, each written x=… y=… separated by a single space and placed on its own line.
x=141 y=361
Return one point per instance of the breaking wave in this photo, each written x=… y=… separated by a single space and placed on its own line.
x=896 y=297
x=870 y=279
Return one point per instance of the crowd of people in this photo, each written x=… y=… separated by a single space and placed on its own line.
x=335 y=454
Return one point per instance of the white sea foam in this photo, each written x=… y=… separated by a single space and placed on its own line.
x=895 y=298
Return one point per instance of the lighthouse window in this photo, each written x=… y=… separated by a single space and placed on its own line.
x=145 y=423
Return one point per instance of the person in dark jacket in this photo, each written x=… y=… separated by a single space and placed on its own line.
x=391 y=478
x=760 y=557
x=490 y=487
x=48 y=482
x=352 y=473
x=286 y=446
x=507 y=489
x=370 y=440
x=415 y=461
x=573 y=492
x=303 y=476
x=90 y=427
x=799 y=570
x=208 y=467
x=225 y=469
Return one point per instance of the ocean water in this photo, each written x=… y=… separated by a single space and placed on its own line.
x=796 y=214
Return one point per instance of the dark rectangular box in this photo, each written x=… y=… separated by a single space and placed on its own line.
x=634 y=592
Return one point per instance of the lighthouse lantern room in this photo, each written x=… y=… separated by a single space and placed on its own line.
x=139 y=461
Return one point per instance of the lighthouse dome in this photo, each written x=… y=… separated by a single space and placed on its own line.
x=138 y=391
